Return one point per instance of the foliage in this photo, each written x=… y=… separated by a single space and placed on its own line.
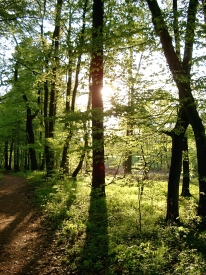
x=102 y=237
x=48 y=62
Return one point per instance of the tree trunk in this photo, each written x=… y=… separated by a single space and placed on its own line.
x=10 y=154
x=186 y=169
x=46 y=127
x=64 y=161
x=177 y=135
x=200 y=139
x=6 y=156
x=128 y=164
x=31 y=141
x=128 y=161
x=98 y=174
x=16 y=158
x=30 y=135
x=49 y=152
x=41 y=159
x=79 y=166
x=25 y=160
x=174 y=178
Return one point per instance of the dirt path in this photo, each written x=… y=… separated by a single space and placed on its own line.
x=27 y=244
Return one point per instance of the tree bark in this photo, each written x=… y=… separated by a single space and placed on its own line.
x=186 y=169
x=98 y=173
x=50 y=157
x=10 y=154
x=6 y=156
x=46 y=127
x=65 y=160
x=30 y=135
x=16 y=158
x=177 y=135
x=80 y=164
x=31 y=140
x=128 y=164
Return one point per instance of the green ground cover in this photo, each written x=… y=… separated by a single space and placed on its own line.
x=125 y=232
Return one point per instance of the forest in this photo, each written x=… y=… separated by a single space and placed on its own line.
x=102 y=109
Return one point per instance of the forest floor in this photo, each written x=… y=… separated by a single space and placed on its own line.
x=55 y=227
x=27 y=243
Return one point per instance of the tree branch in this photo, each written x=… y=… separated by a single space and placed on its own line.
x=189 y=35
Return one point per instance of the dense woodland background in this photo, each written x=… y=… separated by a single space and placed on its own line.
x=115 y=87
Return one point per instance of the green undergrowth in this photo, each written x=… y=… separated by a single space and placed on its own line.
x=123 y=233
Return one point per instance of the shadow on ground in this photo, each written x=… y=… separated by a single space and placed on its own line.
x=95 y=252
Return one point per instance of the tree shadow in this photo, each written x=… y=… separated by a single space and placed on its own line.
x=94 y=258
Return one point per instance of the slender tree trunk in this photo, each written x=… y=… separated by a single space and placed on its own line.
x=16 y=158
x=46 y=127
x=30 y=135
x=64 y=162
x=46 y=157
x=98 y=174
x=41 y=160
x=25 y=160
x=31 y=142
x=65 y=158
x=80 y=164
x=49 y=152
x=186 y=169
x=128 y=164
x=129 y=132
x=6 y=156
x=28 y=161
x=128 y=161
x=10 y=154
x=86 y=136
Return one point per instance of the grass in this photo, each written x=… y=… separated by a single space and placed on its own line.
x=109 y=236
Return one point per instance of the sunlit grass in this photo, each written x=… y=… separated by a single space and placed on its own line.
x=124 y=233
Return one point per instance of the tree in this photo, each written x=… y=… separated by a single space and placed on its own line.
x=84 y=150
x=71 y=94
x=30 y=134
x=54 y=90
x=181 y=72
x=98 y=174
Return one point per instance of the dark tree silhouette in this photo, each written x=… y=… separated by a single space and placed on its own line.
x=98 y=175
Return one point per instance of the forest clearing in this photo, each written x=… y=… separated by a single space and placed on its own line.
x=102 y=137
